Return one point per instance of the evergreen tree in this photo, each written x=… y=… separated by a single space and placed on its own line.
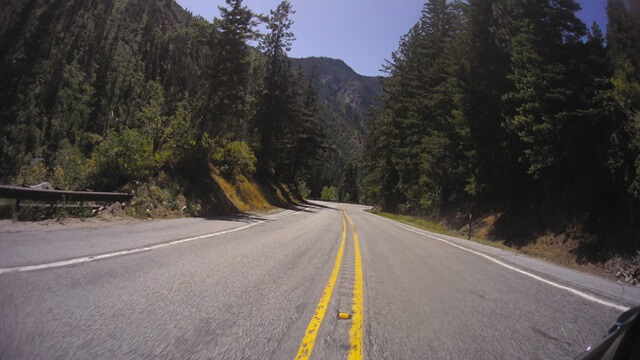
x=542 y=39
x=417 y=142
x=492 y=153
x=226 y=107
x=277 y=100
x=307 y=137
x=623 y=43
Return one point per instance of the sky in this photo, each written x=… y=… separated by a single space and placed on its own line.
x=362 y=33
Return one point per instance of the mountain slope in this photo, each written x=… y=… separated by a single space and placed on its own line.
x=348 y=99
x=342 y=90
x=68 y=68
x=75 y=75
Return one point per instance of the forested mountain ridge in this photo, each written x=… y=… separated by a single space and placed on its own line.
x=103 y=94
x=75 y=68
x=348 y=102
x=351 y=95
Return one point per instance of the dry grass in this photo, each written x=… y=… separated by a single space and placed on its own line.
x=559 y=249
x=244 y=194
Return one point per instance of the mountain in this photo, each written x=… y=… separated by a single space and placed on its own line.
x=342 y=90
x=348 y=99
x=73 y=68
x=78 y=76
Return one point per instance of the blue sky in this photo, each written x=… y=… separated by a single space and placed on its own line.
x=361 y=32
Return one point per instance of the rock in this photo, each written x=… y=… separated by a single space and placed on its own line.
x=43 y=186
x=116 y=209
x=618 y=274
x=36 y=161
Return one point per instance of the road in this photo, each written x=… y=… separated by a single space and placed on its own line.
x=272 y=287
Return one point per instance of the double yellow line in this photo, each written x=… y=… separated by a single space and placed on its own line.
x=356 y=350
x=356 y=330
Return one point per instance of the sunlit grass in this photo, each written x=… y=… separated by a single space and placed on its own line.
x=245 y=195
x=418 y=222
x=439 y=228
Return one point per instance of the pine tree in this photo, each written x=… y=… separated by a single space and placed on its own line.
x=493 y=155
x=418 y=136
x=307 y=136
x=623 y=45
x=541 y=36
x=277 y=100
x=229 y=71
x=383 y=142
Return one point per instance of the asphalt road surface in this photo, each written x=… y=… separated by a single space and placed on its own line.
x=275 y=287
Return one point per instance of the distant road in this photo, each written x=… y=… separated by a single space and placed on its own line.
x=273 y=286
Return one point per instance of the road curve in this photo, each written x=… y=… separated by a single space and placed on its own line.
x=251 y=288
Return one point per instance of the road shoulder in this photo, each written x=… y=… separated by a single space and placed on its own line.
x=627 y=295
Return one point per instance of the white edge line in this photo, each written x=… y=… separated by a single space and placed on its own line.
x=85 y=259
x=533 y=276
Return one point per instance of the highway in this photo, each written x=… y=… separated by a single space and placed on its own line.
x=325 y=281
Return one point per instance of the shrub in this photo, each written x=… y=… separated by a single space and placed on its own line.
x=70 y=168
x=234 y=158
x=32 y=174
x=178 y=138
x=124 y=157
x=329 y=193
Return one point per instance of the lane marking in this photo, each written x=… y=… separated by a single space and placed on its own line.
x=306 y=346
x=356 y=349
x=85 y=259
x=510 y=267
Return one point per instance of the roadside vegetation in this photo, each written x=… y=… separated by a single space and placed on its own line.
x=194 y=117
x=562 y=249
x=515 y=111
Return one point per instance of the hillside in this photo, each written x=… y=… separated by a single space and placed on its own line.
x=525 y=118
x=342 y=90
x=128 y=94
x=347 y=100
x=74 y=68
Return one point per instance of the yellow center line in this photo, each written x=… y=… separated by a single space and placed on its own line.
x=356 y=351
x=304 y=352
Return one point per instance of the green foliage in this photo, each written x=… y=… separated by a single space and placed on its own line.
x=276 y=109
x=234 y=158
x=112 y=92
x=511 y=105
x=417 y=140
x=124 y=157
x=623 y=40
x=329 y=193
x=32 y=174
x=70 y=169
x=74 y=71
x=228 y=70
x=178 y=137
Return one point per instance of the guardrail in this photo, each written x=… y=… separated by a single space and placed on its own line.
x=26 y=193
